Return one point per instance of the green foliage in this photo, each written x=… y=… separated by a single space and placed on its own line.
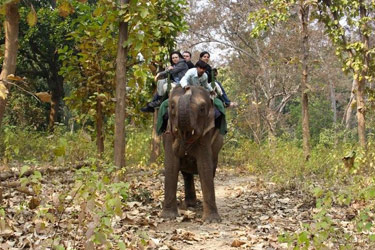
x=89 y=67
x=319 y=234
x=338 y=18
x=101 y=200
x=320 y=113
x=37 y=63
x=332 y=184
x=138 y=146
x=274 y=12
x=88 y=54
x=63 y=146
x=27 y=144
x=31 y=16
x=25 y=111
x=35 y=180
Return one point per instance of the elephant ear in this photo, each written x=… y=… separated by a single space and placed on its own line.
x=210 y=122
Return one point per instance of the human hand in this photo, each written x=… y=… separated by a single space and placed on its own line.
x=233 y=104
x=156 y=77
x=170 y=67
x=212 y=93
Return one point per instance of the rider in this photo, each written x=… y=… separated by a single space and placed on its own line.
x=205 y=57
x=223 y=97
x=187 y=57
x=196 y=76
x=177 y=70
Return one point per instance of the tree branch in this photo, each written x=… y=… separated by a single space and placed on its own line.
x=210 y=40
x=30 y=93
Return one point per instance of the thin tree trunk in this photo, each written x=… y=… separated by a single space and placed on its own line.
x=270 y=118
x=258 y=117
x=11 y=27
x=304 y=14
x=99 y=128
x=155 y=146
x=349 y=108
x=361 y=108
x=119 y=144
x=361 y=112
x=155 y=139
x=333 y=101
x=53 y=4
x=57 y=89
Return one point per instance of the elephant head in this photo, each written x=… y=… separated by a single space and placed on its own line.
x=191 y=114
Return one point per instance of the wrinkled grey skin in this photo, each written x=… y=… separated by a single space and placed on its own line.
x=191 y=152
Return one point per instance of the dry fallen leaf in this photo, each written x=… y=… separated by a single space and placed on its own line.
x=237 y=243
x=5 y=228
x=34 y=203
x=264 y=217
x=284 y=201
x=44 y=96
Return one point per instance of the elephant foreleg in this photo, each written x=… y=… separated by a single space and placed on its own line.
x=216 y=146
x=171 y=164
x=205 y=170
x=190 y=196
x=215 y=166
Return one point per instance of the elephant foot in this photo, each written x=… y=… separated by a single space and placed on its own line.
x=212 y=217
x=191 y=203
x=169 y=214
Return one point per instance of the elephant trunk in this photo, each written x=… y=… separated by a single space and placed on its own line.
x=184 y=113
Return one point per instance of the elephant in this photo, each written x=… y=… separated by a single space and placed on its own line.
x=191 y=146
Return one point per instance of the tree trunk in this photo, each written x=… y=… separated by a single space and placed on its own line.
x=53 y=4
x=361 y=106
x=99 y=128
x=11 y=28
x=349 y=108
x=333 y=101
x=258 y=118
x=155 y=139
x=119 y=144
x=57 y=89
x=155 y=146
x=304 y=15
x=361 y=112
x=271 y=122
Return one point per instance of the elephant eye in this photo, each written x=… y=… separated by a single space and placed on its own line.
x=202 y=109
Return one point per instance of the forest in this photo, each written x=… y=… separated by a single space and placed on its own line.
x=83 y=167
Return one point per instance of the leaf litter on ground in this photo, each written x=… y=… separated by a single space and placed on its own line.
x=254 y=214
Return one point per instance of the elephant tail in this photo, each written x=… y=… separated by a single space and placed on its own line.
x=184 y=113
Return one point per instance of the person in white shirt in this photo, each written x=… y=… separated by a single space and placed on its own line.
x=196 y=77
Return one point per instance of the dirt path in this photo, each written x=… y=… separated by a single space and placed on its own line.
x=252 y=217
x=254 y=213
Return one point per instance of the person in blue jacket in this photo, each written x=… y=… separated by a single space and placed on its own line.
x=223 y=97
